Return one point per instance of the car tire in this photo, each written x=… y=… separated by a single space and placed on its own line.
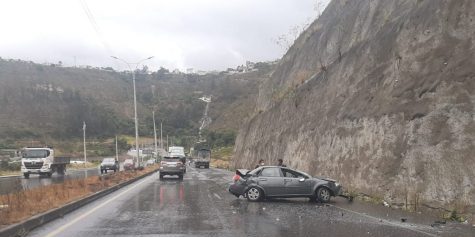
x=180 y=176
x=161 y=176
x=26 y=175
x=254 y=194
x=323 y=194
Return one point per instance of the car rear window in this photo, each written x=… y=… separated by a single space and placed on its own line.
x=171 y=158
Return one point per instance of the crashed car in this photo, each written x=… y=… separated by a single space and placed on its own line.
x=282 y=182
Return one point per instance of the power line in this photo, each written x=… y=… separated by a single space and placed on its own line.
x=95 y=26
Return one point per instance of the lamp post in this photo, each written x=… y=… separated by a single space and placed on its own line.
x=84 y=137
x=135 y=99
x=155 y=135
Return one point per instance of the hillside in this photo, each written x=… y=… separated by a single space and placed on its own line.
x=379 y=95
x=49 y=103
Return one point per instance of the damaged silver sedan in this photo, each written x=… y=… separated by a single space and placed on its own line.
x=281 y=182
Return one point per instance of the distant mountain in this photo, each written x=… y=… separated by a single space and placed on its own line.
x=40 y=102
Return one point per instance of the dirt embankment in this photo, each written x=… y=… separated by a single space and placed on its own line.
x=380 y=95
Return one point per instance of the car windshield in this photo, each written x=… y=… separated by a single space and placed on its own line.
x=128 y=161
x=108 y=160
x=171 y=158
x=33 y=154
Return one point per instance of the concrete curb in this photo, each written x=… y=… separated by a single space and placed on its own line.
x=22 y=228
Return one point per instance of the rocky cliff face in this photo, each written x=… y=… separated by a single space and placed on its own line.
x=379 y=94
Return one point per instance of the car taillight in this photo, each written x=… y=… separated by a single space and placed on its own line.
x=236 y=178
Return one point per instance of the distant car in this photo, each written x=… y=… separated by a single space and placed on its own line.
x=282 y=182
x=109 y=164
x=172 y=166
x=129 y=164
x=150 y=162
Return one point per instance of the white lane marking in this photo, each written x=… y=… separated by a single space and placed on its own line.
x=384 y=221
x=216 y=195
x=63 y=227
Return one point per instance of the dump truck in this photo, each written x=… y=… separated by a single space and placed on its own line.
x=202 y=157
x=41 y=160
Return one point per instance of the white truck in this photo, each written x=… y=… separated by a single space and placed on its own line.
x=41 y=160
x=176 y=151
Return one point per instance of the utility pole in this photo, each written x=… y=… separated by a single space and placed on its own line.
x=84 y=138
x=155 y=134
x=161 y=138
x=167 y=142
x=116 y=150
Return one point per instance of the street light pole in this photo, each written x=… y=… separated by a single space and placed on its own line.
x=135 y=102
x=84 y=137
x=155 y=135
x=116 y=150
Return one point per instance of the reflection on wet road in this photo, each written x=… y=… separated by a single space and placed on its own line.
x=17 y=183
x=199 y=205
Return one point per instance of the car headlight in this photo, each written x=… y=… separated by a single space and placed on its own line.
x=337 y=184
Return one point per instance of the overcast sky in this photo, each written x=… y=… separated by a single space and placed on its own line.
x=200 y=34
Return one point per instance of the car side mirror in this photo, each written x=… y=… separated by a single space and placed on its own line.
x=302 y=179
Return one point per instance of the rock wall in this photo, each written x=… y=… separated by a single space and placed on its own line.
x=379 y=94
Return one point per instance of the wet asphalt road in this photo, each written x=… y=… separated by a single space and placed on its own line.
x=17 y=183
x=200 y=206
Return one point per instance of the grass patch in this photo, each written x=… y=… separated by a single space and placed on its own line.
x=19 y=206
x=82 y=166
x=9 y=172
x=220 y=157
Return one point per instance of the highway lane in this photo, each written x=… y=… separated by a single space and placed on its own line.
x=199 y=205
x=17 y=183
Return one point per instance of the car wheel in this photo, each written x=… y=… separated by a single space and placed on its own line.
x=26 y=175
x=323 y=194
x=180 y=176
x=161 y=176
x=254 y=194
